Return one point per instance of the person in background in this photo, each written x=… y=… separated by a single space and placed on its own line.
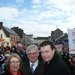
x=54 y=65
x=13 y=49
x=13 y=63
x=1 y=61
x=72 y=64
x=34 y=66
x=2 y=48
x=6 y=55
x=20 y=51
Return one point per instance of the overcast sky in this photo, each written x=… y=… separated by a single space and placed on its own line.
x=38 y=17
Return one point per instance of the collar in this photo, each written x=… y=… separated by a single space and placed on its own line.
x=35 y=64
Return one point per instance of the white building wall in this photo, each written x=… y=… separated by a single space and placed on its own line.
x=6 y=39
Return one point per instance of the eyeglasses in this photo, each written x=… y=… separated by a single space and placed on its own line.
x=15 y=62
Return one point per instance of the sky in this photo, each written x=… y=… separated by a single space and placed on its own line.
x=38 y=17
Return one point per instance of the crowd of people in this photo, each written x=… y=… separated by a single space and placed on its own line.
x=35 y=60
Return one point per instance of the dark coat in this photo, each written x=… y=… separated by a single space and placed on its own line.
x=57 y=67
x=38 y=71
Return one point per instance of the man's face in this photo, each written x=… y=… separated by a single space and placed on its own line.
x=47 y=53
x=33 y=55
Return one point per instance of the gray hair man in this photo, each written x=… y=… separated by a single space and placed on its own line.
x=34 y=66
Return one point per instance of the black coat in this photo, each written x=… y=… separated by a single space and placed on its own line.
x=38 y=71
x=57 y=67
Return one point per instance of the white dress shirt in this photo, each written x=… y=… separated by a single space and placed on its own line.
x=35 y=64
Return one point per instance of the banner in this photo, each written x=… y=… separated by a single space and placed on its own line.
x=71 y=38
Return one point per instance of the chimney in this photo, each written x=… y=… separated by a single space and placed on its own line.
x=1 y=25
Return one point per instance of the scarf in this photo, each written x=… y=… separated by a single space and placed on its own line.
x=18 y=73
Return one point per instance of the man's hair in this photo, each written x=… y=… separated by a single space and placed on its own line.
x=45 y=43
x=31 y=47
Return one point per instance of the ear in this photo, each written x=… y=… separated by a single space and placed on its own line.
x=53 y=49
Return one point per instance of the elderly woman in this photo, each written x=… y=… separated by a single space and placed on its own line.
x=13 y=63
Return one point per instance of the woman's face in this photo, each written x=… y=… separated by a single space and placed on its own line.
x=14 y=64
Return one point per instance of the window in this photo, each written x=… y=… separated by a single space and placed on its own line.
x=0 y=36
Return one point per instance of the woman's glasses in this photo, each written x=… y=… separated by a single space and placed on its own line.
x=15 y=62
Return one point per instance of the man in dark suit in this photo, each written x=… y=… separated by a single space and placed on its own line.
x=54 y=65
x=32 y=54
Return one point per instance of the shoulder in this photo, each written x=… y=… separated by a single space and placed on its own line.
x=21 y=73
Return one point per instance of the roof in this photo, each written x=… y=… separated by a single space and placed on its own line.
x=58 y=30
x=62 y=36
x=39 y=38
x=10 y=31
